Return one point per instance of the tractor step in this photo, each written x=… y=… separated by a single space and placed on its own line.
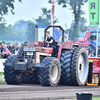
x=25 y=66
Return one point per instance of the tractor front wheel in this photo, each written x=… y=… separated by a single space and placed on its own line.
x=50 y=73
x=10 y=75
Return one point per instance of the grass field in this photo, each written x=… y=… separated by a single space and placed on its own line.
x=1 y=73
x=98 y=98
x=95 y=98
x=2 y=77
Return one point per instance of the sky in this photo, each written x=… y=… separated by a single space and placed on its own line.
x=29 y=9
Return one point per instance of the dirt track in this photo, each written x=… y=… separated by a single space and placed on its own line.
x=38 y=92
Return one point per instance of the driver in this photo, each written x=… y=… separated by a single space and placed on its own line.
x=50 y=40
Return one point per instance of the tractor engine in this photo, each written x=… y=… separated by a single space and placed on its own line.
x=36 y=53
x=29 y=52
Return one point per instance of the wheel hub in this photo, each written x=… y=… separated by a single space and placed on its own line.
x=81 y=68
x=54 y=72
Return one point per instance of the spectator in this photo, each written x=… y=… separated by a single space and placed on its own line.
x=25 y=43
x=3 y=43
x=6 y=51
x=17 y=49
x=1 y=50
x=11 y=48
x=86 y=47
x=89 y=52
x=19 y=45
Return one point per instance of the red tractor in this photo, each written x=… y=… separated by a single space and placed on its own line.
x=68 y=65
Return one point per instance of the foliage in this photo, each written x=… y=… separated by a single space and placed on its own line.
x=44 y=19
x=82 y=28
x=13 y=34
x=30 y=32
x=75 y=6
x=2 y=28
x=22 y=30
x=5 y=5
x=21 y=24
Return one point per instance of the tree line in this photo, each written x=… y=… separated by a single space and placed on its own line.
x=27 y=32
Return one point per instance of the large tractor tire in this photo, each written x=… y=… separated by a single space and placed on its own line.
x=10 y=75
x=20 y=54
x=49 y=75
x=65 y=61
x=31 y=78
x=79 y=66
x=99 y=78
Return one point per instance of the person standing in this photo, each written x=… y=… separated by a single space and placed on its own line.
x=11 y=48
x=5 y=51
x=17 y=49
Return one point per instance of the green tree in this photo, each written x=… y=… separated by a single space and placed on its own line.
x=76 y=10
x=30 y=32
x=2 y=28
x=44 y=19
x=21 y=24
x=82 y=26
x=81 y=29
x=5 y=5
x=13 y=34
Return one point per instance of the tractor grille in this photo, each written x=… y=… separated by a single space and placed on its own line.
x=29 y=55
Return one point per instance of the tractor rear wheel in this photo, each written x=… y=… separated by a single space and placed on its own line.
x=31 y=78
x=79 y=66
x=65 y=61
x=10 y=75
x=99 y=78
x=50 y=74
